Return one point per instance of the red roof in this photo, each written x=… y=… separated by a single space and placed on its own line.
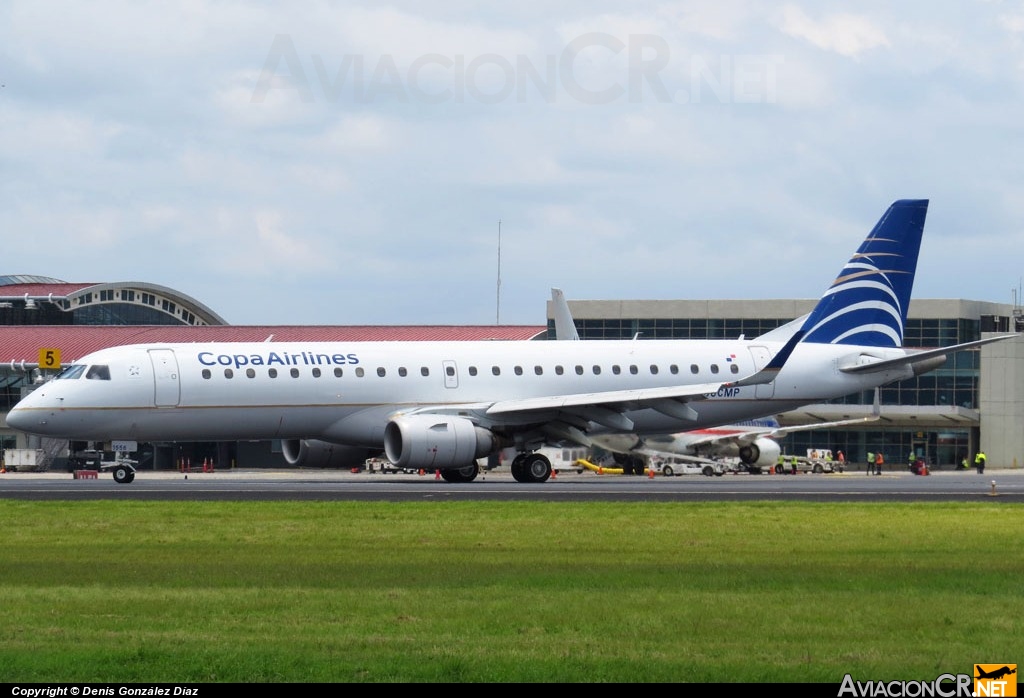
x=22 y=342
x=41 y=289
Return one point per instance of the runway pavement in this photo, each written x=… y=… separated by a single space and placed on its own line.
x=994 y=486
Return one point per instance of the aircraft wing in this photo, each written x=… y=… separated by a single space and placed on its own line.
x=780 y=431
x=661 y=399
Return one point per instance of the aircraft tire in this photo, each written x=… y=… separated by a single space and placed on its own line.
x=818 y=469
x=518 y=471
x=457 y=475
x=667 y=470
x=123 y=475
x=708 y=471
x=536 y=468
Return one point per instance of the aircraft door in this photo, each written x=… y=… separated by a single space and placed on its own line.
x=451 y=375
x=166 y=384
x=761 y=357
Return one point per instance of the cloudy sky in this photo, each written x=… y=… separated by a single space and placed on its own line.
x=349 y=162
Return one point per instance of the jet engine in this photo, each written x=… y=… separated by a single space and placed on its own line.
x=435 y=441
x=310 y=453
x=761 y=453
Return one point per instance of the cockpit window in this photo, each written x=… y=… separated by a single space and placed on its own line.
x=98 y=372
x=71 y=372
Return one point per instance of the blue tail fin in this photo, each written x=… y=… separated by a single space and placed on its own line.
x=867 y=303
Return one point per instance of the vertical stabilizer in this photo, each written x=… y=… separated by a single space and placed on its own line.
x=867 y=303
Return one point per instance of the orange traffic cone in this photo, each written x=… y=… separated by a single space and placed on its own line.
x=650 y=473
x=554 y=474
x=421 y=471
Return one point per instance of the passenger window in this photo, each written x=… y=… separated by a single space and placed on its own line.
x=206 y=374
x=472 y=370
x=228 y=373
x=633 y=370
x=559 y=370
x=250 y=373
x=734 y=368
x=295 y=373
x=449 y=370
x=316 y=372
x=597 y=370
x=381 y=371
x=518 y=370
x=539 y=370
x=272 y=372
x=338 y=373
x=616 y=369
x=579 y=370
x=495 y=370
x=694 y=369
x=360 y=372
x=402 y=372
x=98 y=372
x=424 y=371
x=673 y=369
x=654 y=370
x=714 y=368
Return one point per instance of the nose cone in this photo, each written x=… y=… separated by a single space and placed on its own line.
x=20 y=418
x=30 y=416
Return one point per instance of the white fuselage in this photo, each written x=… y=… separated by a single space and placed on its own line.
x=347 y=392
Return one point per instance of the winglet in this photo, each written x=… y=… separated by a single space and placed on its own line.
x=769 y=372
x=565 y=328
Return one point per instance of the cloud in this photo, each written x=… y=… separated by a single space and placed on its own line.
x=670 y=149
x=846 y=34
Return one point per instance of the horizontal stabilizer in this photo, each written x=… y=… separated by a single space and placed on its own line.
x=866 y=365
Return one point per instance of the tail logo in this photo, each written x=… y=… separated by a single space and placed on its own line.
x=867 y=303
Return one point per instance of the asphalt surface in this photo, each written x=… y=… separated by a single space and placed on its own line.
x=994 y=486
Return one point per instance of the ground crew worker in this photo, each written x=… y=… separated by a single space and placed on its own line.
x=871 y=463
x=963 y=464
x=912 y=459
x=878 y=463
x=781 y=465
x=979 y=462
x=792 y=465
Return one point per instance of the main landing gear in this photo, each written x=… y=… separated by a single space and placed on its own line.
x=531 y=467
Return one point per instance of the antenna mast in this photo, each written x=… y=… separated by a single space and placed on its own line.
x=497 y=312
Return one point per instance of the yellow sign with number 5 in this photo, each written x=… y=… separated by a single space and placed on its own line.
x=49 y=358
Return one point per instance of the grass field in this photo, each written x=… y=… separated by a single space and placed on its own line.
x=510 y=592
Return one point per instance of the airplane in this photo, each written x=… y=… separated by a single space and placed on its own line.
x=442 y=405
x=995 y=673
x=753 y=442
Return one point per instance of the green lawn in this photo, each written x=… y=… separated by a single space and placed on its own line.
x=500 y=592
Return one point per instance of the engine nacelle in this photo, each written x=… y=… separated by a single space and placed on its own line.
x=310 y=453
x=762 y=453
x=435 y=441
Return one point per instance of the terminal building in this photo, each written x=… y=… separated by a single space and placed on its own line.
x=975 y=401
